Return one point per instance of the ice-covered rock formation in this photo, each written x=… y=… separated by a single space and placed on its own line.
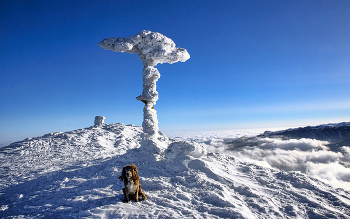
x=99 y=120
x=152 y=48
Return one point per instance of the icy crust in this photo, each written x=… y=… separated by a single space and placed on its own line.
x=152 y=48
x=189 y=182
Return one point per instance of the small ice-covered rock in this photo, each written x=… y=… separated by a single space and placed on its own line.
x=99 y=120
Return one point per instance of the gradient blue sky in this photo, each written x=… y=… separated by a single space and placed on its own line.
x=253 y=64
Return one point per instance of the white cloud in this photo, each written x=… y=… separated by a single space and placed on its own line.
x=303 y=144
x=333 y=173
x=308 y=156
x=346 y=152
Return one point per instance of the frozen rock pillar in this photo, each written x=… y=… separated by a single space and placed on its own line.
x=149 y=97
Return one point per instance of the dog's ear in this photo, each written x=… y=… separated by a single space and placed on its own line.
x=123 y=174
x=135 y=175
x=134 y=167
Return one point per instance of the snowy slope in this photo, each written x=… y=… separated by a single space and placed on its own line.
x=74 y=175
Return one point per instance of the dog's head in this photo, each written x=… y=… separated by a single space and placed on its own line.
x=129 y=172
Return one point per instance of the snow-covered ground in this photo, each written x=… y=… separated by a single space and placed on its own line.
x=75 y=175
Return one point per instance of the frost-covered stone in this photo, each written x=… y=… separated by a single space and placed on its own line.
x=99 y=120
x=152 y=48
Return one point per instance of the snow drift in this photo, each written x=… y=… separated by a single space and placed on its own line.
x=75 y=175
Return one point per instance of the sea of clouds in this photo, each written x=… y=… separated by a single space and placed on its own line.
x=309 y=156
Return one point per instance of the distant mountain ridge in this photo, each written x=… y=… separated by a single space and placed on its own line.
x=335 y=133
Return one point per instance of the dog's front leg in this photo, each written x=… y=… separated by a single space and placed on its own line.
x=126 y=193
x=137 y=194
x=143 y=194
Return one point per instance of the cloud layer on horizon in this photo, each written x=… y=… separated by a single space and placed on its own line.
x=308 y=156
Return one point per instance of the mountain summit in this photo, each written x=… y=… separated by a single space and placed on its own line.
x=75 y=175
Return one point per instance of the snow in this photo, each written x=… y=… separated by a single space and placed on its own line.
x=75 y=175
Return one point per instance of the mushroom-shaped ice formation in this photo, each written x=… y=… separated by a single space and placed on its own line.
x=152 y=48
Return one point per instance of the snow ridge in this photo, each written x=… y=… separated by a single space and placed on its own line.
x=75 y=175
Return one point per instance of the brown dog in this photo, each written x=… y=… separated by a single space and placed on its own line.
x=132 y=184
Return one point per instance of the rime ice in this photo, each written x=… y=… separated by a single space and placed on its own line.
x=152 y=48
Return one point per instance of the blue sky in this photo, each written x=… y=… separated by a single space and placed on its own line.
x=253 y=64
